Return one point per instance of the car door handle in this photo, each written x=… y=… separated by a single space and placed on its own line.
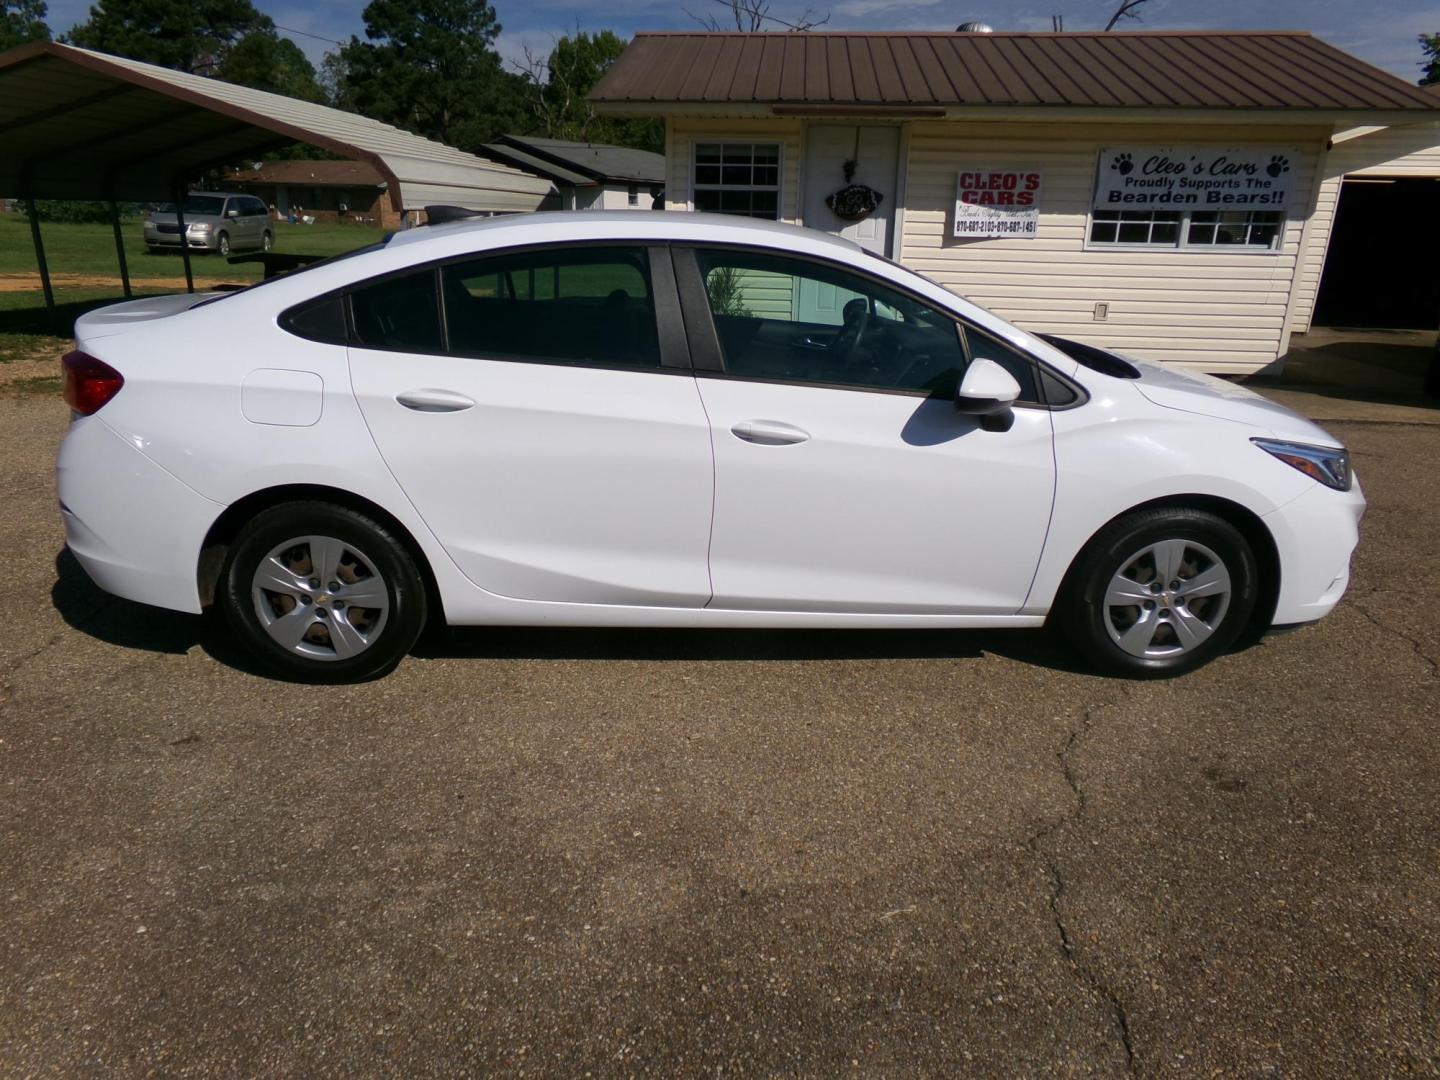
x=434 y=400
x=769 y=433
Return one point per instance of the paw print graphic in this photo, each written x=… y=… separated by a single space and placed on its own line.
x=1278 y=164
x=1123 y=165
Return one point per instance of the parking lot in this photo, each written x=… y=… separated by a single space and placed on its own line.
x=604 y=853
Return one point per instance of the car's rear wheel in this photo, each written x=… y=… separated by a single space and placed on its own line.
x=1159 y=592
x=222 y=243
x=322 y=593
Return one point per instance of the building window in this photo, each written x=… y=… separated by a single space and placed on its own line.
x=738 y=178
x=1196 y=228
x=1253 y=228
x=633 y=196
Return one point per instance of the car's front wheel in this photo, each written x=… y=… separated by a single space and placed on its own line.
x=222 y=243
x=322 y=593
x=1159 y=592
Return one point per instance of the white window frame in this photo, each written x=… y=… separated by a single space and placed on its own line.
x=722 y=141
x=1182 y=239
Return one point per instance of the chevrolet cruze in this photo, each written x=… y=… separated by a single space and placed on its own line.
x=674 y=420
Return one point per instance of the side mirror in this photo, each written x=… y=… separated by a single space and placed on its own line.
x=232 y=213
x=986 y=390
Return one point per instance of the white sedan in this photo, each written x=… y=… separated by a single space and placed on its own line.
x=674 y=420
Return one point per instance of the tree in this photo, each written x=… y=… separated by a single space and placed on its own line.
x=753 y=16
x=187 y=35
x=560 y=85
x=1430 y=44
x=430 y=66
x=265 y=61
x=21 y=22
x=1126 y=10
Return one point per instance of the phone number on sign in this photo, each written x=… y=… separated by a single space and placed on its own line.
x=1024 y=228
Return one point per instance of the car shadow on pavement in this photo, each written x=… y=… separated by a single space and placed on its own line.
x=129 y=625
x=610 y=643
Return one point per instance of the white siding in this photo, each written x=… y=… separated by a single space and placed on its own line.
x=1220 y=310
x=1411 y=150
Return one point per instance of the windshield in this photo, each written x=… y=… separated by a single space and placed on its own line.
x=285 y=275
x=198 y=205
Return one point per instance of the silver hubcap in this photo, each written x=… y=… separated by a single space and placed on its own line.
x=320 y=598
x=1167 y=599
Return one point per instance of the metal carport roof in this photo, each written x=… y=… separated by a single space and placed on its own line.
x=76 y=124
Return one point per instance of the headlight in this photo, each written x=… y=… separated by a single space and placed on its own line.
x=1330 y=465
x=201 y=227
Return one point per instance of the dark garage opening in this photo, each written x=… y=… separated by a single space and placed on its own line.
x=1382 y=268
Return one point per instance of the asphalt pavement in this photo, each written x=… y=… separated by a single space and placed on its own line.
x=602 y=853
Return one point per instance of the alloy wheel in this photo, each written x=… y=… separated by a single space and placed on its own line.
x=320 y=597
x=1167 y=599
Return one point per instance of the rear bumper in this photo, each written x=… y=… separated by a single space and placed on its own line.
x=1316 y=534
x=135 y=529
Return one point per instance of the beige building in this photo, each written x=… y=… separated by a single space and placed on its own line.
x=1172 y=195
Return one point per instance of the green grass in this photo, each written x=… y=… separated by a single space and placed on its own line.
x=90 y=249
x=27 y=330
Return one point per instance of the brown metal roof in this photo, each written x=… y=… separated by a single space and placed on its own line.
x=1133 y=69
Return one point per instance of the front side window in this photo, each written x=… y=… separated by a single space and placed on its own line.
x=1255 y=229
x=793 y=320
x=738 y=178
x=572 y=305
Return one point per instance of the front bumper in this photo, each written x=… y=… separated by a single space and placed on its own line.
x=195 y=241
x=1316 y=535
x=135 y=529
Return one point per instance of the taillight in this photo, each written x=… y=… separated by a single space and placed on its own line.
x=89 y=383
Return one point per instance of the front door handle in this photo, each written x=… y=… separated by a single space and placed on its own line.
x=434 y=400
x=769 y=433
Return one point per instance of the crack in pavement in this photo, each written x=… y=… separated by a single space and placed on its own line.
x=1103 y=990
x=1415 y=645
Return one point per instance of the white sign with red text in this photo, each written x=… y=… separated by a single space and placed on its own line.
x=1171 y=178
x=993 y=203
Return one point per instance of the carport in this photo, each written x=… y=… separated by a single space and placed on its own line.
x=77 y=124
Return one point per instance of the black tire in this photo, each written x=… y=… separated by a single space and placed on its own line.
x=267 y=241
x=369 y=547
x=1090 y=625
x=222 y=243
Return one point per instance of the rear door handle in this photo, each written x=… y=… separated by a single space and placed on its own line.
x=769 y=433
x=434 y=400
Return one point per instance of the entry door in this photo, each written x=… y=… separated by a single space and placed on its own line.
x=879 y=498
x=540 y=437
x=875 y=150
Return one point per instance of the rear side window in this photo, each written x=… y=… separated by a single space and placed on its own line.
x=398 y=313
x=569 y=305
x=318 y=320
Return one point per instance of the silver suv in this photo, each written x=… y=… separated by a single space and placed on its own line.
x=214 y=221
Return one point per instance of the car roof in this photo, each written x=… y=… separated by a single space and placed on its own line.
x=552 y=225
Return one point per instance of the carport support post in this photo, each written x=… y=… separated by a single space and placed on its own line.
x=184 y=239
x=34 y=215
x=120 y=249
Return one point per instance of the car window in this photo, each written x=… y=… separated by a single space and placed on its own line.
x=252 y=207
x=795 y=320
x=398 y=313
x=572 y=305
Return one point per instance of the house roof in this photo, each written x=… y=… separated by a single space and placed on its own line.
x=577 y=164
x=313 y=173
x=77 y=124
x=1131 y=69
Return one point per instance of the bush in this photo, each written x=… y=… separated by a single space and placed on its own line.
x=76 y=211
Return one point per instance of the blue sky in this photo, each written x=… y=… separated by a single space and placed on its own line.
x=1380 y=31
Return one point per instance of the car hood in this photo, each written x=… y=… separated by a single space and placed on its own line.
x=118 y=318
x=1205 y=395
x=160 y=217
